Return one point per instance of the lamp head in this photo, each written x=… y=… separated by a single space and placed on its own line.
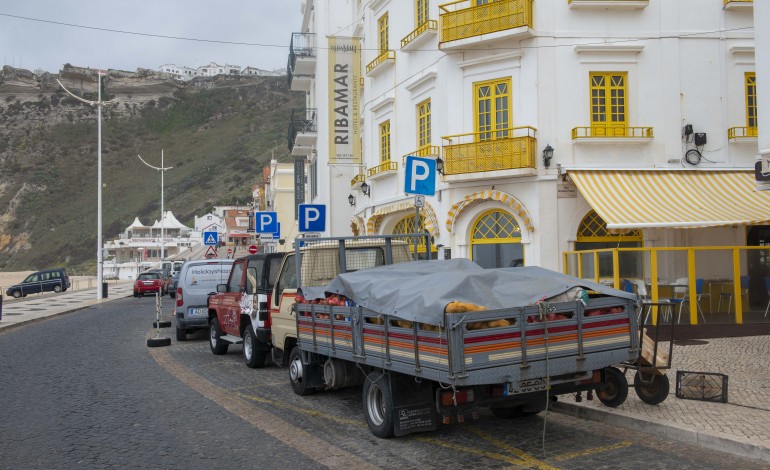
x=352 y=200
x=440 y=165
x=365 y=188
x=547 y=155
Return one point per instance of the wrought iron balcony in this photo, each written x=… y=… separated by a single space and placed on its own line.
x=385 y=57
x=303 y=128
x=463 y=19
x=423 y=29
x=302 y=59
x=502 y=149
x=735 y=133
x=616 y=132
x=425 y=151
x=384 y=167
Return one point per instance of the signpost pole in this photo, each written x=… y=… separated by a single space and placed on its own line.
x=416 y=227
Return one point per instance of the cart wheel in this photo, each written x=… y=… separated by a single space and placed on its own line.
x=614 y=390
x=652 y=392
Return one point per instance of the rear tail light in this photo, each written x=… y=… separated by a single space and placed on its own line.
x=179 y=297
x=458 y=397
x=267 y=320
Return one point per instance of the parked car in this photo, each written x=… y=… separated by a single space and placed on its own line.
x=147 y=283
x=174 y=282
x=165 y=278
x=197 y=280
x=48 y=280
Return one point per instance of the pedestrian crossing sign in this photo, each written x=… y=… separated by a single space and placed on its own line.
x=210 y=238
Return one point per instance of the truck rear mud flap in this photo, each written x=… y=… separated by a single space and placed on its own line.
x=414 y=406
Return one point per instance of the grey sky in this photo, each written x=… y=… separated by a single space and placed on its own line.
x=32 y=45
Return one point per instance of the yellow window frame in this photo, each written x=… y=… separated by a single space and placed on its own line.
x=406 y=225
x=385 y=141
x=609 y=99
x=751 y=99
x=492 y=114
x=484 y=218
x=423 y=124
x=422 y=9
x=382 y=28
x=594 y=229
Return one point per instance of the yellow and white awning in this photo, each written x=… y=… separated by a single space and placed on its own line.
x=673 y=199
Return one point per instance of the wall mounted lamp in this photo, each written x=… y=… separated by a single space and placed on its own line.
x=352 y=200
x=365 y=188
x=440 y=165
x=547 y=155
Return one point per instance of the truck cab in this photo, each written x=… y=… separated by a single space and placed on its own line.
x=319 y=262
x=239 y=312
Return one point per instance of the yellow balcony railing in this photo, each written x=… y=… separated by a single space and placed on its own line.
x=358 y=179
x=503 y=149
x=462 y=19
x=619 y=132
x=385 y=55
x=425 y=151
x=741 y=132
x=382 y=168
x=728 y=2
x=430 y=25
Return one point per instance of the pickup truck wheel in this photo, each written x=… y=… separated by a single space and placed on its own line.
x=57 y=289
x=654 y=392
x=615 y=388
x=181 y=334
x=253 y=352
x=16 y=294
x=218 y=346
x=378 y=404
x=297 y=373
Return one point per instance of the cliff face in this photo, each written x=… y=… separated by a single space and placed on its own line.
x=217 y=132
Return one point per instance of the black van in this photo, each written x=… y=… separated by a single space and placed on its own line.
x=55 y=280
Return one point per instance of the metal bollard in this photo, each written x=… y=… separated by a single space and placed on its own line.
x=104 y=290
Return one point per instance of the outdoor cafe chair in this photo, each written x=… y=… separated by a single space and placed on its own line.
x=729 y=295
x=681 y=297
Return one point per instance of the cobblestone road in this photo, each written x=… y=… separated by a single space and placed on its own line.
x=83 y=391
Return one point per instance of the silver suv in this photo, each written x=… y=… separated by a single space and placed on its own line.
x=197 y=280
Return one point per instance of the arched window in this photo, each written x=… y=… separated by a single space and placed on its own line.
x=496 y=241
x=406 y=225
x=592 y=234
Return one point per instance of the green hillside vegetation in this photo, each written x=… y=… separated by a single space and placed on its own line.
x=217 y=141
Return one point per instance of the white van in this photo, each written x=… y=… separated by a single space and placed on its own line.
x=197 y=280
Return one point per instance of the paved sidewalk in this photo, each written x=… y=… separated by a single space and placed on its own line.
x=741 y=426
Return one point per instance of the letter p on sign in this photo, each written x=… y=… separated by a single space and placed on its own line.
x=420 y=176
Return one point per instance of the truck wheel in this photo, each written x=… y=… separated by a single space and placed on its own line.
x=297 y=373
x=253 y=351
x=614 y=391
x=378 y=404
x=181 y=334
x=218 y=346
x=16 y=294
x=652 y=393
x=57 y=289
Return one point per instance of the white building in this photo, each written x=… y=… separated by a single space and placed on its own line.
x=178 y=72
x=650 y=107
x=139 y=246
x=210 y=222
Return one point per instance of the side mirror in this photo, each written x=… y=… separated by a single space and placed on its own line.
x=221 y=288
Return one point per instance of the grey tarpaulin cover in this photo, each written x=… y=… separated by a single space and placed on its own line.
x=420 y=290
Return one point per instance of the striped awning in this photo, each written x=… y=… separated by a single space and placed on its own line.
x=673 y=199
x=431 y=221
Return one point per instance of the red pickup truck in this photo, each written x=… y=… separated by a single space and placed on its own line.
x=239 y=312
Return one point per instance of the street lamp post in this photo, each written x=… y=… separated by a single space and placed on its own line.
x=162 y=170
x=99 y=248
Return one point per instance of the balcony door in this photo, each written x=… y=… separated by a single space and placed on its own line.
x=493 y=109
x=608 y=104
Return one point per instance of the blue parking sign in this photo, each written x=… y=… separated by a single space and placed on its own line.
x=266 y=222
x=420 y=177
x=312 y=217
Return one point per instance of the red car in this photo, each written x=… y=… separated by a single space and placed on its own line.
x=148 y=283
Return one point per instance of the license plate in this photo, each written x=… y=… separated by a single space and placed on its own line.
x=147 y=283
x=197 y=311
x=525 y=386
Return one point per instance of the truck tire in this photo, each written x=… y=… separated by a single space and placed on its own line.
x=652 y=393
x=57 y=289
x=181 y=334
x=16 y=294
x=254 y=353
x=614 y=391
x=378 y=404
x=218 y=346
x=297 y=373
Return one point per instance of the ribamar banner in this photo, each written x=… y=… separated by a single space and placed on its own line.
x=344 y=100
